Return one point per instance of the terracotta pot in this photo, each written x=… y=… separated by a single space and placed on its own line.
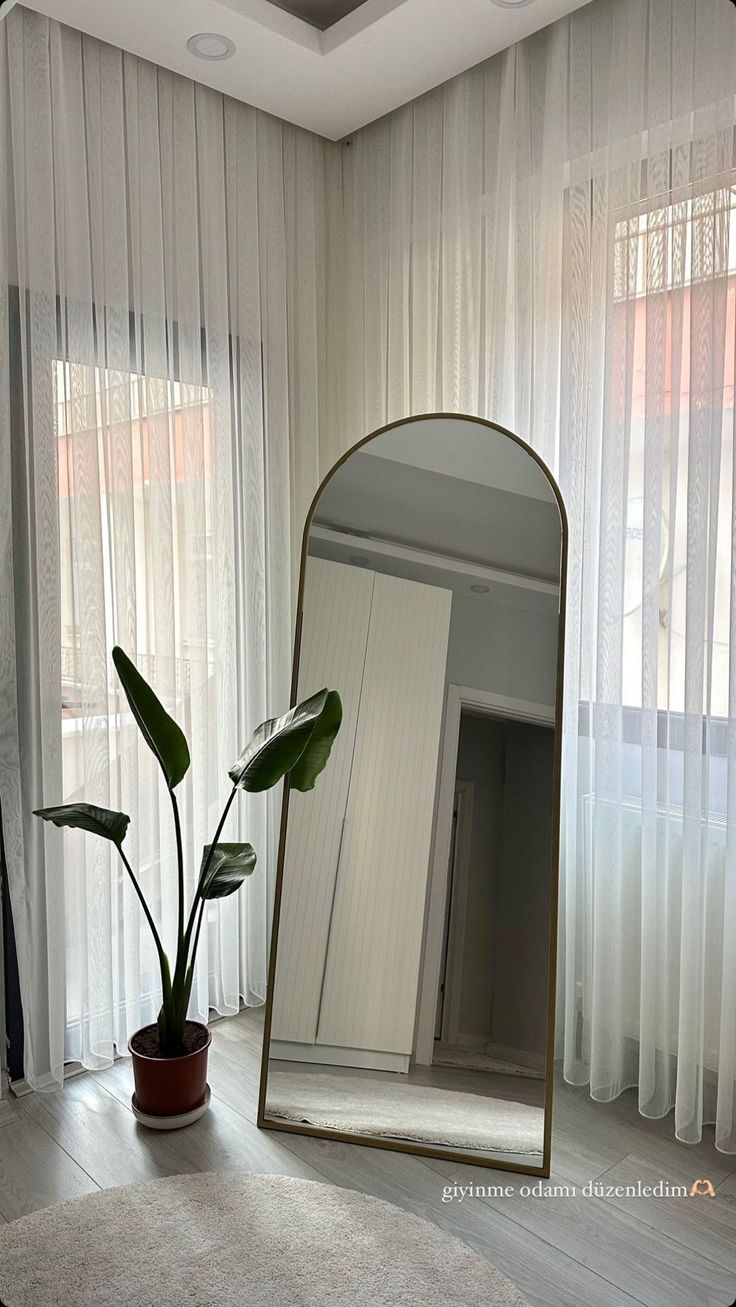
x=170 y=1086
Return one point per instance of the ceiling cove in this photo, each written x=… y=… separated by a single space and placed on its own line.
x=331 y=66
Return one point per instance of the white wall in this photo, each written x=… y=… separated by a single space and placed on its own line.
x=504 y=650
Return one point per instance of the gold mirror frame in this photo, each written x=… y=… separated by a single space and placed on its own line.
x=398 y=1145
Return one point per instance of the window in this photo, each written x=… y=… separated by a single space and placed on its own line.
x=118 y=434
x=136 y=561
x=671 y=334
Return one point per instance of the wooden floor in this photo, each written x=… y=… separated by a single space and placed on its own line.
x=561 y=1251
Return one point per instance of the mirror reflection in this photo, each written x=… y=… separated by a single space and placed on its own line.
x=410 y=1003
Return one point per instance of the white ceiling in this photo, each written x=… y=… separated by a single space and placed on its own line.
x=332 y=81
x=458 y=447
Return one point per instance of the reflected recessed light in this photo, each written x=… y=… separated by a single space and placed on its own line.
x=211 y=45
x=480 y=589
x=358 y=560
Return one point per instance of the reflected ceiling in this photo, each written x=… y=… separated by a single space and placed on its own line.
x=447 y=515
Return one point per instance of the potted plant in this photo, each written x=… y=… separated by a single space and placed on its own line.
x=170 y=1056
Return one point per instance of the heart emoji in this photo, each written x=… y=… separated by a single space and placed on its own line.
x=702 y=1189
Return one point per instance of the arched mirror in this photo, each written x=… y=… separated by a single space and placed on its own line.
x=411 y=987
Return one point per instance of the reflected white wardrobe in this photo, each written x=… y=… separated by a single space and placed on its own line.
x=353 y=910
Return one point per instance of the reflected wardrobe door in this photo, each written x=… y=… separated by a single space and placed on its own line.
x=334 y=637
x=357 y=854
x=374 y=953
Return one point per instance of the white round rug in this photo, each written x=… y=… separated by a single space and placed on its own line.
x=233 y=1240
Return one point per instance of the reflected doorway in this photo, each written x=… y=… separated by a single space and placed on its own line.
x=497 y=894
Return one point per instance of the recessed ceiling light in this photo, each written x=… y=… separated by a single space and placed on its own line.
x=480 y=589
x=512 y=4
x=358 y=560
x=211 y=45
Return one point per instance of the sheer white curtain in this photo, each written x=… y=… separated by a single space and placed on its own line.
x=550 y=241
x=160 y=358
x=547 y=241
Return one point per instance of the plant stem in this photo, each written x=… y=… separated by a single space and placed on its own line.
x=180 y=867
x=205 y=869
x=165 y=1033
x=144 y=905
x=189 y=974
x=196 y=933
x=182 y=971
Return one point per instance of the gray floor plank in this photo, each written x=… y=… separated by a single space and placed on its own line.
x=726 y=1190
x=102 y=1135
x=235 y=1073
x=8 y=1110
x=707 y=1226
x=35 y=1171
x=223 y=1140
x=652 y=1267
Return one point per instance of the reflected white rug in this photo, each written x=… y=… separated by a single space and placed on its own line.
x=404 y=1110
x=230 y=1240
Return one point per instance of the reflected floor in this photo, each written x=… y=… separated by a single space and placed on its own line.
x=521 y=1089
x=435 y=1106
x=480 y=1057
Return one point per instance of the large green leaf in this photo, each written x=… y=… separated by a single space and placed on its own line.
x=229 y=866
x=86 y=816
x=314 y=758
x=277 y=745
x=162 y=734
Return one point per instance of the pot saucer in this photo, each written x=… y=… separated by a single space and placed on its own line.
x=174 y=1122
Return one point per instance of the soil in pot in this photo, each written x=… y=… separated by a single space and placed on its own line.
x=146 y=1043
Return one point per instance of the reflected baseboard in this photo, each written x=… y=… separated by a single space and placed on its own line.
x=330 y=1055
